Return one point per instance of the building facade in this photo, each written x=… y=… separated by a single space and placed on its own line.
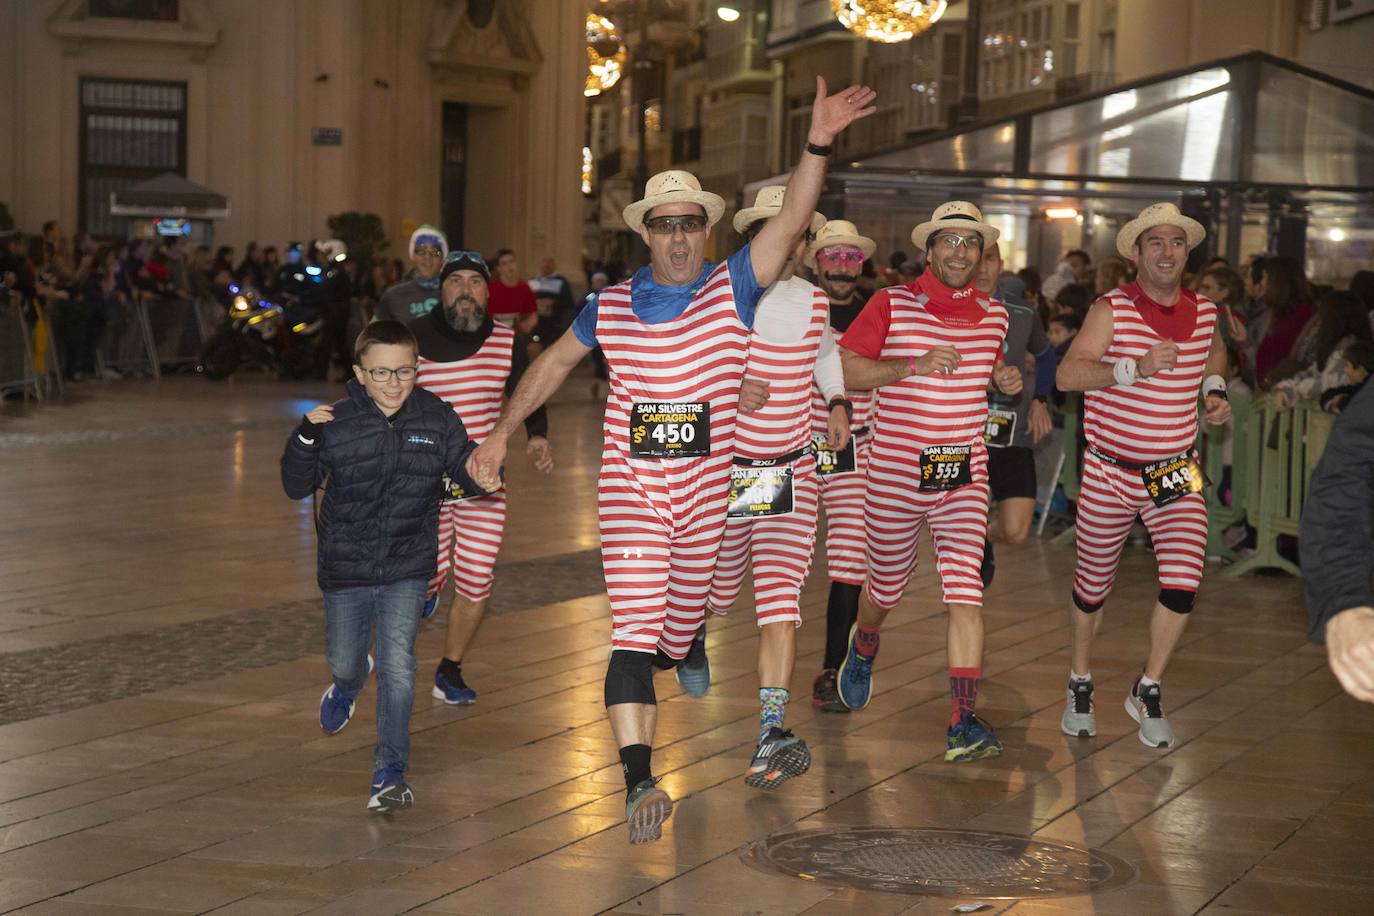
x=462 y=113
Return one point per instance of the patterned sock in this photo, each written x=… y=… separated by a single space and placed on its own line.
x=634 y=761
x=772 y=708
x=963 y=691
x=866 y=640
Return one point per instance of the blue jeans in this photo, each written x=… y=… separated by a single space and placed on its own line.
x=349 y=614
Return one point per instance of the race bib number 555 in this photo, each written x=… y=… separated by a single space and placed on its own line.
x=670 y=430
x=946 y=467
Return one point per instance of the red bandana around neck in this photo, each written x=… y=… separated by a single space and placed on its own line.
x=952 y=306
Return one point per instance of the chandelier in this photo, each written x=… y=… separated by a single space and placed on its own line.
x=888 y=21
x=605 y=55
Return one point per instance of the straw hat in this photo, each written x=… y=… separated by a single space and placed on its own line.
x=768 y=203
x=957 y=214
x=1163 y=214
x=835 y=233
x=672 y=187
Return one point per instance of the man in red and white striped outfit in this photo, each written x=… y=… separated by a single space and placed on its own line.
x=930 y=348
x=1145 y=352
x=472 y=363
x=771 y=521
x=675 y=338
x=837 y=256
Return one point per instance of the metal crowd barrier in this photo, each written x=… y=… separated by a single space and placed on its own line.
x=150 y=335
x=28 y=355
x=1273 y=454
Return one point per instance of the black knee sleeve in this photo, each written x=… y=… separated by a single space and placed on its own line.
x=1178 y=600
x=1087 y=607
x=840 y=613
x=630 y=678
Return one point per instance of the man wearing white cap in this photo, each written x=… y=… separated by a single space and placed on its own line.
x=930 y=348
x=1145 y=352
x=675 y=338
x=417 y=296
x=837 y=256
x=774 y=493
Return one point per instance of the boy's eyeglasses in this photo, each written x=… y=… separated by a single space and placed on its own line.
x=382 y=374
x=667 y=225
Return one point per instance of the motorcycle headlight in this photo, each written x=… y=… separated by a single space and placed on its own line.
x=240 y=304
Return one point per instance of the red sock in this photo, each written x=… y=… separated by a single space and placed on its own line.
x=963 y=691
x=866 y=640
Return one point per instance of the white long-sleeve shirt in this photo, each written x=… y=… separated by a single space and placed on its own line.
x=783 y=315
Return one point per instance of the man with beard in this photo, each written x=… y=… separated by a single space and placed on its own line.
x=472 y=363
x=837 y=256
x=930 y=348
x=1145 y=352
x=771 y=522
x=675 y=337
x=1015 y=423
x=417 y=296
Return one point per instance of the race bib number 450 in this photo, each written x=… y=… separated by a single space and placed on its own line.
x=1173 y=478
x=946 y=467
x=677 y=430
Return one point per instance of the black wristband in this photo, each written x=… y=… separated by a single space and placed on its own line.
x=309 y=429
x=847 y=404
x=815 y=150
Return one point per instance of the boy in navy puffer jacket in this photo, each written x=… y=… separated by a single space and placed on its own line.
x=380 y=455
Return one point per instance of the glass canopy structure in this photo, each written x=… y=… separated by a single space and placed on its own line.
x=1271 y=155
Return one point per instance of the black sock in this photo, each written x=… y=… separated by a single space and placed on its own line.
x=634 y=760
x=452 y=672
x=840 y=614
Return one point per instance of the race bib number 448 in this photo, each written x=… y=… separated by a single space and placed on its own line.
x=1173 y=478
x=670 y=430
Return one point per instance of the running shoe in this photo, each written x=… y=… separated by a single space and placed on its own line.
x=989 y=567
x=336 y=707
x=431 y=605
x=779 y=756
x=1144 y=706
x=694 y=671
x=1079 y=720
x=824 y=695
x=390 y=792
x=647 y=807
x=854 y=680
x=452 y=689
x=971 y=739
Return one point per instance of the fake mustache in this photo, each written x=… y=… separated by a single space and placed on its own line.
x=841 y=278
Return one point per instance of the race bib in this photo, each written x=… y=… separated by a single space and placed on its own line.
x=1001 y=427
x=454 y=492
x=946 y=467
x=830 y=462
x=757 y=492
x=670 y=430
x=1173 y=478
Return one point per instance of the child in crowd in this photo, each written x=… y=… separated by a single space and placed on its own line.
x=380 y=456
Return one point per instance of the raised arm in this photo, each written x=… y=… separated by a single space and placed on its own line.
x=830 y=115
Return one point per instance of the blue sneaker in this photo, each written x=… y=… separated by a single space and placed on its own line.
x=971 y=739
x=452 y=691
x=855 y=677
x=431 y=605
x=694 y=671
x=336 y=708
x=390 y=792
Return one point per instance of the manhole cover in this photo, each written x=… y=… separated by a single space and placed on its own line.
x=920 y=860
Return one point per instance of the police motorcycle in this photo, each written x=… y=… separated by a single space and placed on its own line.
x=282 y=336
